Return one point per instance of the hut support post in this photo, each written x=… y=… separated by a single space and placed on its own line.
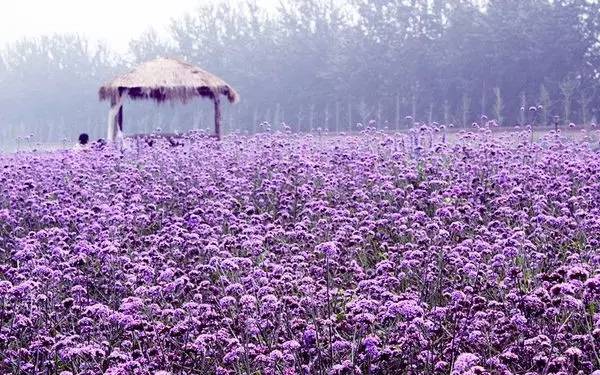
x=120 y=119
x=115 y=118
x=217 y=116
x=112 y=126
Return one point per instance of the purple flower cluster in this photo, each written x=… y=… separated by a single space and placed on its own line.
x=288 y=254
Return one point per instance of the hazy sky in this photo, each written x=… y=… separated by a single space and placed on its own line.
x=113 y=21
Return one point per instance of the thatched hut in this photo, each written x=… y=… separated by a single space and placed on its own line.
x=164 y=80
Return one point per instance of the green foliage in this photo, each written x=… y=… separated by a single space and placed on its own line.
x=359 y=56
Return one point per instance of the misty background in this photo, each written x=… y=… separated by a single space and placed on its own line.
x=325 y=64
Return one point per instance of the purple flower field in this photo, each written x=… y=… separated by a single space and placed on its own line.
x=296 y=254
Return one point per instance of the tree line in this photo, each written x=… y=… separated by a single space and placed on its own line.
x=329 y=65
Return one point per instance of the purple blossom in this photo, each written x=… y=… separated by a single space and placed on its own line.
x=309 y=337
x=464 y=362
x=285 y=254
x=371 y=344
x=330 y=249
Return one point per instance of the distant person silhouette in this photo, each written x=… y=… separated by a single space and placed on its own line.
x=83 y=142
x=83 y=139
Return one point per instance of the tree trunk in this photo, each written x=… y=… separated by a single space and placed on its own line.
x=414 y=107
x=276 y=117
x=217 y=117
x=310 y=117
x=397 y=124
x=379 y=110
x=326 y=119
x=349 y=116
x=337 y=117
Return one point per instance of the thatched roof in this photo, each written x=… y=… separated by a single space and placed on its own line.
x=167 y=79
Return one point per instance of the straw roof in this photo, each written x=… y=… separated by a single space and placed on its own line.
x=167 y=79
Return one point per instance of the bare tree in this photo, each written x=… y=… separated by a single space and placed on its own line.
x=567 y=88
x=546 y=103
x=498 y=105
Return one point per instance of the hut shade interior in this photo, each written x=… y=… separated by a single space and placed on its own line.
x=167 y=80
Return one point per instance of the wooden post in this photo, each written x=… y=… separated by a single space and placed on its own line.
x=115 y=117
x=217 y=116
x=120 y=119
x=120 y=114
x=112 y=126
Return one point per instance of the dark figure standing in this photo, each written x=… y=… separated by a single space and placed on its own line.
x=83 y=142
x=83 y=139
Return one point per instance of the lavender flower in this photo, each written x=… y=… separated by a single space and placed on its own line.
x=285 y=254
x=328 y=248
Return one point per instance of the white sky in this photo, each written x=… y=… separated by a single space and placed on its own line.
x=115 y=22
